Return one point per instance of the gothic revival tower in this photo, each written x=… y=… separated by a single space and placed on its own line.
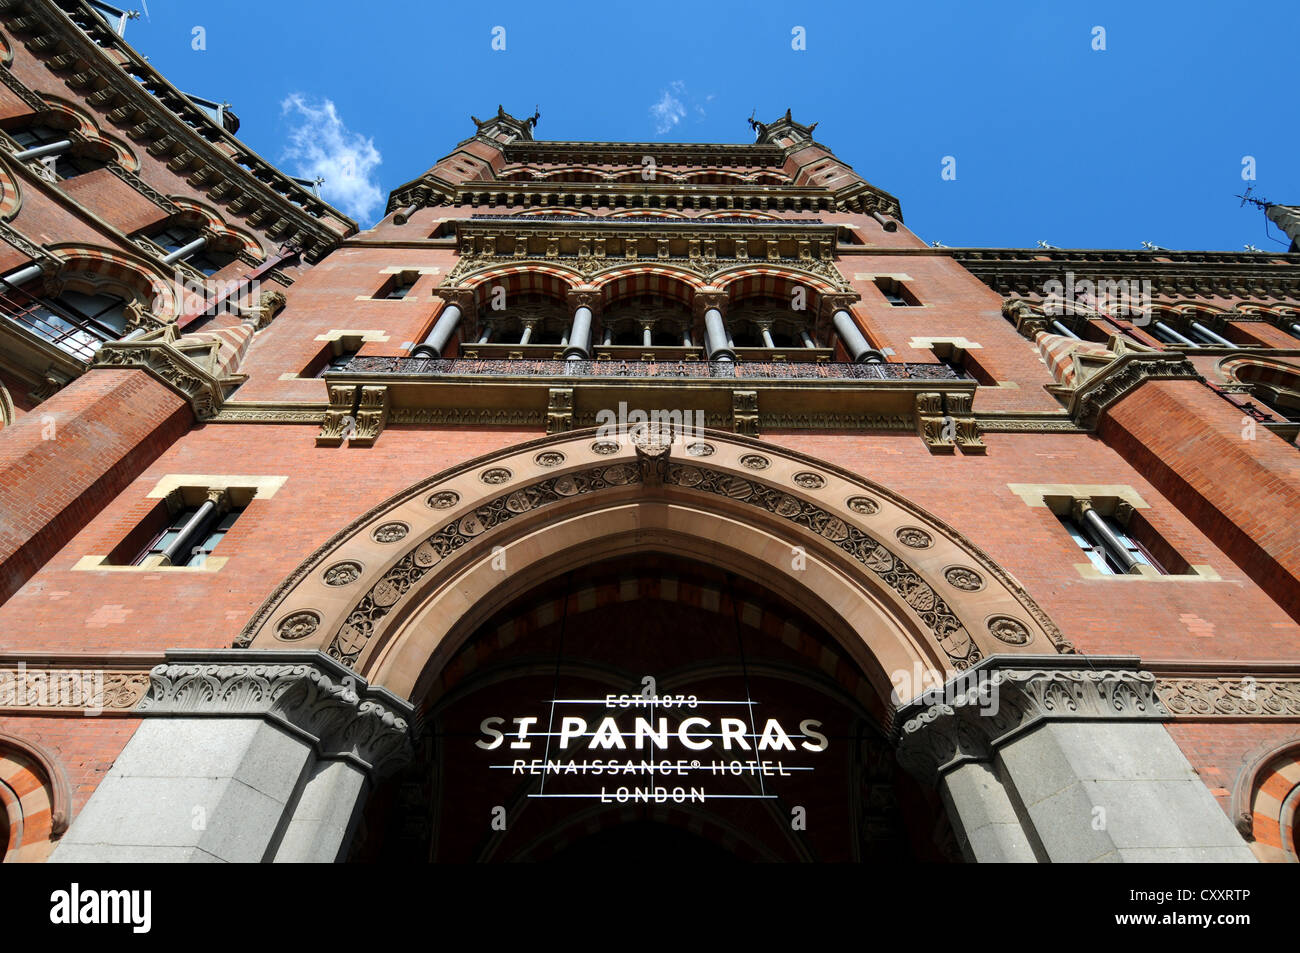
x=606 y=495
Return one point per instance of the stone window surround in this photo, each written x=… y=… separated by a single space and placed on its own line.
x=1059 y=498
x=185 y=489
x=902 y=277
x=337 y=340
x=392 y=270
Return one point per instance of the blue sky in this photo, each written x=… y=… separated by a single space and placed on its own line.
x=1053 y=140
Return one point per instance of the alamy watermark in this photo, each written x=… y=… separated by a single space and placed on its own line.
x=1115 y=297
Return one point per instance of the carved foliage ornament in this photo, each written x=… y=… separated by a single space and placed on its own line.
x=938 y=617
x=342 y=574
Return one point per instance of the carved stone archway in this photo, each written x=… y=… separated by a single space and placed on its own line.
x=314 y=705
x=402 y=586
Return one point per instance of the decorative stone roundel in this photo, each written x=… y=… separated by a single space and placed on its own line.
x=809 y=481
x=967 y=580
x=390 y=532
x=342 y=574
x=443 y=500
x=1009 y=630
x=549 y=458
x=604 y=447
x=915 y=538
x=495 y=476
x=298 y=626
x=699 y=449
x=863 y=505
x=755 y=461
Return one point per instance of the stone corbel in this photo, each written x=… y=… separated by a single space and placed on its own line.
x=158 y=355
x=1123 y=376
x=372 y=415
x=1003 y=697
x=1027 y=321
x=744 y=412
x=269 y=305
x=559 y=409
x=937 y=430
x=339 y=420
x=307 y=693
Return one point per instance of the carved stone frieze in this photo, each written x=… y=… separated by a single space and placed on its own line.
x=68 y=686
x=1230 y=696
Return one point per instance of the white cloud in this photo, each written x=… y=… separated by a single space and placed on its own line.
x=669 y=111
x=321 y=146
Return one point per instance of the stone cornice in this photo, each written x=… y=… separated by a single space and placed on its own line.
x=749 y=155
x=305 y=692
x=1173 y=274
x=1121 y=377
x=428 y=190
x=1005 y=696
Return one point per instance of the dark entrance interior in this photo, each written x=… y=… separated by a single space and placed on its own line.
x=738 y=730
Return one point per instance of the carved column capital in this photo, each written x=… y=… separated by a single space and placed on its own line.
x=306 y=692
x=462 y=298
x=583 y=298
x=1001 y=697
x=830 y=303
x=704 y=300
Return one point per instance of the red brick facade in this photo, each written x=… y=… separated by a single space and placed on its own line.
x=1213 y=481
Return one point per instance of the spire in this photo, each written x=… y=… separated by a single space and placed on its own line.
x=504 y=127
x=784 y=131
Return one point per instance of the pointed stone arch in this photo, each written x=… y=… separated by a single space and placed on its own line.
x=402 y=587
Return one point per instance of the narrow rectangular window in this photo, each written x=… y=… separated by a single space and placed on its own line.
x=896 y=293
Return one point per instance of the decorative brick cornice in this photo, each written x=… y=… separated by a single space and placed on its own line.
x=305 y=692
x=1121 y=377
x=116 y=80
x=1004 y=696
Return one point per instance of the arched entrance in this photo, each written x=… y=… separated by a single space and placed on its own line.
x=786 y=598
x=807 y=773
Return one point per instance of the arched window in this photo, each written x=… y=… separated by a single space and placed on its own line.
x=76 y=322
x=207 y=259
x=71 y=160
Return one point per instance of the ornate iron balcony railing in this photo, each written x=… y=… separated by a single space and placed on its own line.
x=741 y=370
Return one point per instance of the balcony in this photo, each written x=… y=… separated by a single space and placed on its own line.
x=824 y=372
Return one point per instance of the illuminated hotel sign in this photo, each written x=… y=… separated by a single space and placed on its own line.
x=651 y=749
